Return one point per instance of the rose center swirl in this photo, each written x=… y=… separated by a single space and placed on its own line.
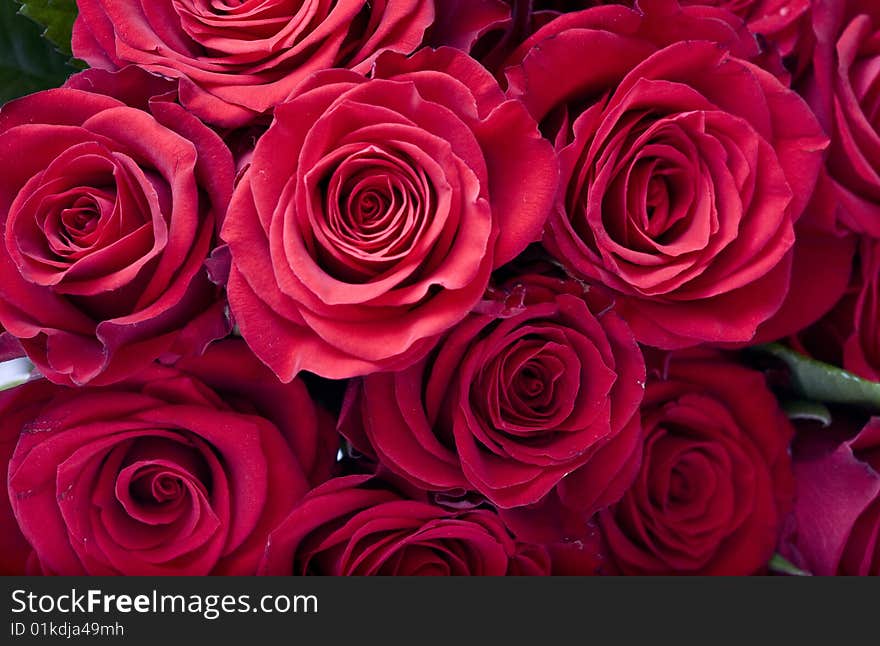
x=222 y=26
x=374 y=209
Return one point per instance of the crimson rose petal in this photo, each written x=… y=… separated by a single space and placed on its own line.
x=355 y=526
x=837 y=507
x=237 y=61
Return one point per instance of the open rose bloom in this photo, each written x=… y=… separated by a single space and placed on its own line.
x=445 y=287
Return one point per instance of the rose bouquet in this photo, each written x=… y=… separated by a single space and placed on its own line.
x=405 y=287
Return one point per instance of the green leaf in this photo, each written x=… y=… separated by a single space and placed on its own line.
x=56 y=16
x=27 y=62
x=9 y=385
x=781 y=565
x=14 y=373
x=817 y=381
x=810 y=411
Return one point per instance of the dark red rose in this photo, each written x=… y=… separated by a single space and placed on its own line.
x=515 y=403
x=837 y=503
x=861 y=352
x=15 y=551
x=108 y=214
x=231 y=370
x=785 y=23
x=462 y=23
x=586 y=556
x=176 y=472
x=844 y=91
x=236 y=60
x=490 y=30
x=10 y=347
x=356 y=526
x=826 y=339
x=685 y=167
x=132 y=85
x=715 y=482
x=374 y=211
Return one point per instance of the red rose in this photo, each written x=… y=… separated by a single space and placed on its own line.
x=685 y=167
x=133 y=86
x=825 y=340
x=231 y=370
x=108 y=215
x=586 y=556
x=10 y=347
x=239 y=61
x=715 y=481
x=356 y=526
x=15 y=551
x=785 y=23
x=515 y=404
x=822 y=266
x=491 y=29
x=842 y=90
x=374 y=211
x=172 y=473
x=837 y=503
x=861 y=351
